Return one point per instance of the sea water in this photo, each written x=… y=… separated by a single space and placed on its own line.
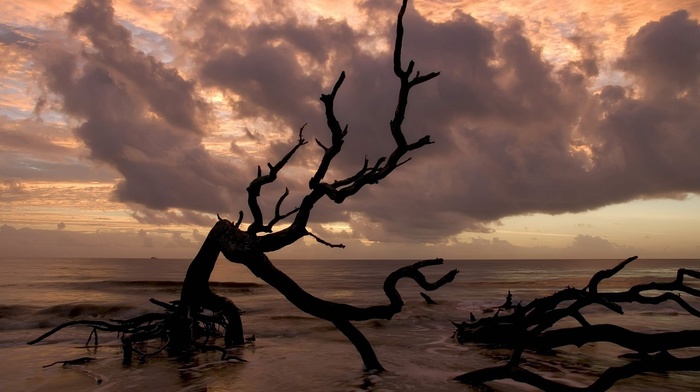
x=296 y=352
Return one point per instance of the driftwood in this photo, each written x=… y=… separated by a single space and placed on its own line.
x=237 y=248
x=162 y=328
x=201 y=314
x=530 y=327
x=427 y=299
x=182 y=329
x=250 y=246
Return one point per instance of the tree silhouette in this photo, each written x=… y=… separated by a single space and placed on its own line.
x=249 y=247
x=184 y=324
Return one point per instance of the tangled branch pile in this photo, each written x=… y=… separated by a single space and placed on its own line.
x=183 y=329
x=182 y=333
x=530 y=327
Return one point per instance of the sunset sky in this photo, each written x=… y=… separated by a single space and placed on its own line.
x=562 y=129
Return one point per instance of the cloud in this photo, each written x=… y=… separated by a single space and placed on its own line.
x=32 y=149
x=22 y=242
x=515 y=133
x=137 y=115
x=663 y=55
x=10 y=35
x=164 y=218
x=473 y=248
x=11 y=190
x=587 y=246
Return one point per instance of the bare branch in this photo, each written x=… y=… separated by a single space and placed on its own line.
x=399 y=41
x=321 y=145
x=240 y=219
x=422 y=79
x=404 y=162
x=349 y=180
x=605 y=274
x=337 y=134
x=339 y=190
x=278 y=217
x=319 y=240
x=279 y=202
x=254 y=188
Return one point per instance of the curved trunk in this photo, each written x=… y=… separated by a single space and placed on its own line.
x=239 y=249
x=196 y=292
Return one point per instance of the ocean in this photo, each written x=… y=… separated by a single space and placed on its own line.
x=297 y=352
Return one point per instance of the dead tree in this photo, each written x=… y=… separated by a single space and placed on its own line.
x=250 y=246
x=530 y=327
x=183 y=323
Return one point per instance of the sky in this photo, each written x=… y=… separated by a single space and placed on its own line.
x=565 y=129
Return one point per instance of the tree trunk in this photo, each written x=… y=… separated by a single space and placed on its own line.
x=196 y=293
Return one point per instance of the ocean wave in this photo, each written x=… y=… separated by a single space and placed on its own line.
x=166 y=284
x=154 y=284
x=293 y=317
x=15 y=317
x=84 y=310
x=11 y=311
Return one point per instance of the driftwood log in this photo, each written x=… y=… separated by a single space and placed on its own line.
x=183 y=329
x=162 y=329
x=531 y=327
x=200 y=313
x=250 y=246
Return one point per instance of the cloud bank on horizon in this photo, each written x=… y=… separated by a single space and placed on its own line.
x=178 y=116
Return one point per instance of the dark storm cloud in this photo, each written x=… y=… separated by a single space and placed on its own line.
x=518 y=156
x=262 y=63
x=168 y=94
x=514 y=134
x=499 y=115
x=137 y=115
x=648 y=137
x=665 y=55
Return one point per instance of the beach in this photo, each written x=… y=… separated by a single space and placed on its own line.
x=294 y=351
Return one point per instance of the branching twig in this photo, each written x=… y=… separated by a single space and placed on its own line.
x=340 y=190
x=254 y=188
x=321 y=241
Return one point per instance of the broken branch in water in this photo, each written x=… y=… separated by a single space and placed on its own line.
x=530 y=327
